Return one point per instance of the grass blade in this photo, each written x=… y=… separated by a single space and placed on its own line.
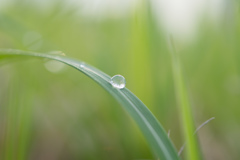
x=192 y=147
x=151 y=128
x=199 y=127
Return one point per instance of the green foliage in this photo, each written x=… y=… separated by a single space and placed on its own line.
x=63 y=115
x=149 y=125
x=185 y=108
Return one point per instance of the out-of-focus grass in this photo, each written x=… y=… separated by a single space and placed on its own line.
x=193 y=150
x=61 y=131
x=150 y=127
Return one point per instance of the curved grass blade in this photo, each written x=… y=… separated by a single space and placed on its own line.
x=199 y=127
x=151 y=128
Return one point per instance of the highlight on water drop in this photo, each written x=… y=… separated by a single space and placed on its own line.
x=118 y=81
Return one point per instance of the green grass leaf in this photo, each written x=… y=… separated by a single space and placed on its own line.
x=192 y=147
x=149 y=125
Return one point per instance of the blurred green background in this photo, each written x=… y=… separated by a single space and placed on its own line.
x=49 y=111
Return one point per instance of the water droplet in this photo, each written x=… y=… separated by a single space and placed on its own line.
x=118 y=81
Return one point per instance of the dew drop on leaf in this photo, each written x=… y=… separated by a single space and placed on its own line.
x=118 y=81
